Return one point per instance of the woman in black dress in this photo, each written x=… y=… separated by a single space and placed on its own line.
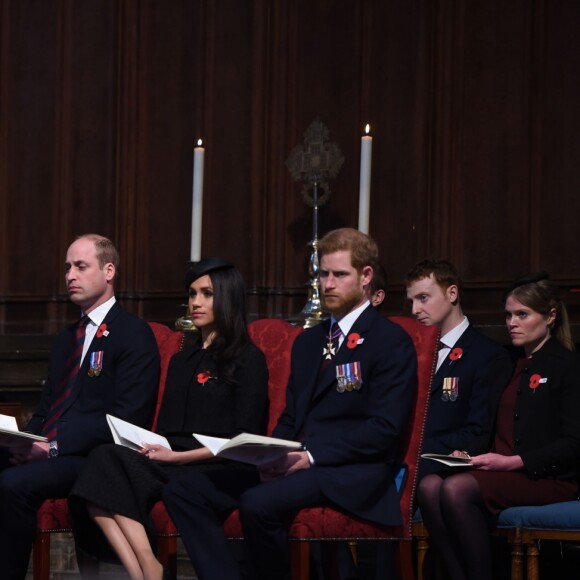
x=535 y=458
x=217 y=387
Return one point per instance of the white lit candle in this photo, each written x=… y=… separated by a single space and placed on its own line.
x=364 y=202
x=197 y=202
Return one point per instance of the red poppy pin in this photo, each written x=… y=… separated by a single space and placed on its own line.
x=535 y=381
x=102 y=330
x=204 y=377
x=456 y=353
x=353 y=340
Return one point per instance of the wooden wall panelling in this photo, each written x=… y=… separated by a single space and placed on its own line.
x=227 y=106
x=4 y=148
x=274 y=94
x=492 y=168
x=27 y=133
x=558 y=145
x=400 y=103
x=324 y=47
x=165 y=136
x=129 y=148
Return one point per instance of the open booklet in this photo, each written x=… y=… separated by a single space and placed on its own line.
x=10 y=435
x=448 y=460
x=129 y=435
x=248 y=448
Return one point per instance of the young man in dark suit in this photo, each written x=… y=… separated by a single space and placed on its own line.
x=472 y=370
x=348 y=401
x=106 y=363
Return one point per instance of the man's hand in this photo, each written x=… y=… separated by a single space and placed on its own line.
x=20 y=454
x=285 y=465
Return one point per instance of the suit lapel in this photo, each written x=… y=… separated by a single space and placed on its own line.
x=311 y=359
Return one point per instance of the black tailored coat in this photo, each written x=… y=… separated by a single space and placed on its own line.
x=127 y=483
x=547 y=418
x=214 y=408
x=354 y=437
x=483 y=369
x=126 y=387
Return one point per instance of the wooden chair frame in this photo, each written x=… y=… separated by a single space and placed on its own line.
x=516 y=538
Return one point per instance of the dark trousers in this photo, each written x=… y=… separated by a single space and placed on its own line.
x=199 y=503
x=266 y=512
x=23 y=488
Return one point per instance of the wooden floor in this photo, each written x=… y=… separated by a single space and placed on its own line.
x=64 y=564
x=557 y=562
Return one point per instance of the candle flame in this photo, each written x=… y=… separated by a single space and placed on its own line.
x=367 y=129
x=199 y=141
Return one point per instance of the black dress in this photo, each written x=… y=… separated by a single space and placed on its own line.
x=125 y=482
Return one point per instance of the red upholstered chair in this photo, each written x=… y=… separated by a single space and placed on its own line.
x=53 y=515
x=330 y=525
x=275 y=338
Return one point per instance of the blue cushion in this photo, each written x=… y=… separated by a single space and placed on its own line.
x=555 y=516
x=401 y=477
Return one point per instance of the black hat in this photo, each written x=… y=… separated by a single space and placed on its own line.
x=204 y=267
x=529 y=279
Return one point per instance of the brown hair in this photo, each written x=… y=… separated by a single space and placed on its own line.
x=541 y=295
x=379 y=281
x=363 y=249
x=444 y=273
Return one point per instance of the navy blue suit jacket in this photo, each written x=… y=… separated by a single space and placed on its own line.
x=354 y=437
x=483 y=370
x=126 y=387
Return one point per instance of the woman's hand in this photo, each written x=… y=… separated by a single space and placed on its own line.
x=160 y=453
x=164 y=455
x=497 y=462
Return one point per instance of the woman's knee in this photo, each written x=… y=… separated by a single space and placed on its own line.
x=429 y=489
x=458 y=491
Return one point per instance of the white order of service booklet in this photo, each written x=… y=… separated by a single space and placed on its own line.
x=448 y=460
x=248 y=448
x=129 y=435
x=11 y=436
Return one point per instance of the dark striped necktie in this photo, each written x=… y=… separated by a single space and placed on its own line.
x=67 y=383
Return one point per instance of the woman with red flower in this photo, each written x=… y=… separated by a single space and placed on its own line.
x=535 y=458
x=217 y=387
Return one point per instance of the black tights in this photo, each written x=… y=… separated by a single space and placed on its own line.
x=458 y=524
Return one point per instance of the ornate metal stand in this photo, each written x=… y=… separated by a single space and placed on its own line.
x=185 y=322
x=314 y=163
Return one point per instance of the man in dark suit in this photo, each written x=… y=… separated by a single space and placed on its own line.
x=472 y=370
x=348 y=400
x=118 y=375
